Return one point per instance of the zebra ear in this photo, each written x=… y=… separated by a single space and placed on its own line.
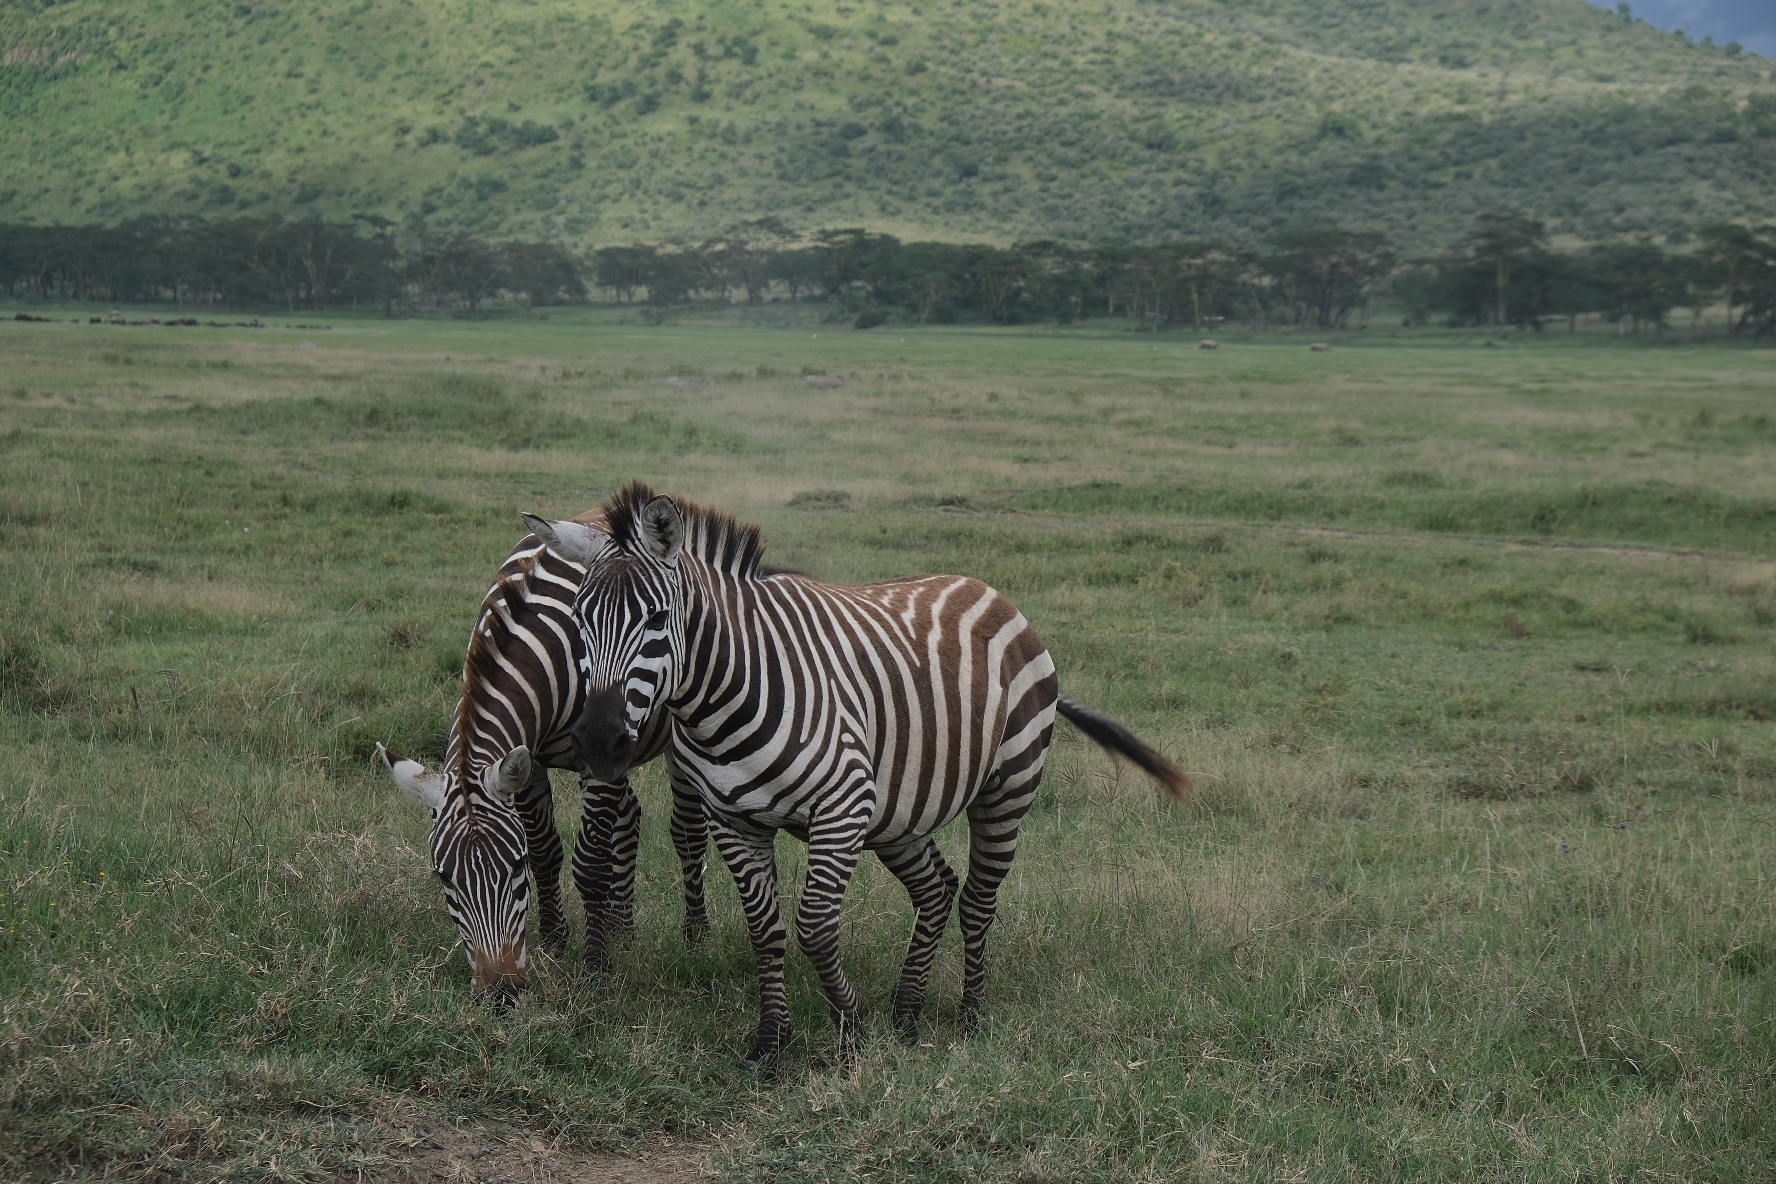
x=511 y=774
x=573 y=541
x=425 y=788
x=662 y=529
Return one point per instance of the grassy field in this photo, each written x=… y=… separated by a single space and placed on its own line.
x=1471 y=650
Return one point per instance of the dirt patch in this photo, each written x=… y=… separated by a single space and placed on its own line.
x=483 y=1155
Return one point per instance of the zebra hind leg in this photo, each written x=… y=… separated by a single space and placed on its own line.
x=752 y=859
x=536 y=809
x=932 y=885
x=690 y=837
x=993 y=823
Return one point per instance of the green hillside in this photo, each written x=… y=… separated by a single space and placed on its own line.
x=610 y=120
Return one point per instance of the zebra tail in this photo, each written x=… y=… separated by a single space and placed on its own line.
x=1113 y=737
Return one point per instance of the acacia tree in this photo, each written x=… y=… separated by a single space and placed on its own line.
x=1325 y=272
x=622 y=269
x=1637 y=281
x=544 y=273
x=1504 y=241
x=745 y=250
x=1729 y=248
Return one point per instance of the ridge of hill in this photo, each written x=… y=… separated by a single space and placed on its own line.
x=599 y=121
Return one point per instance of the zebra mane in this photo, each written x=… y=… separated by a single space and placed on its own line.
x=492 y=625
x=717 y=538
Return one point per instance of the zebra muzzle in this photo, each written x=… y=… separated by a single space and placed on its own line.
x=499 y=975
x=601 y=738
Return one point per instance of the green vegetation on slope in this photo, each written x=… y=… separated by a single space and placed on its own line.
x=615 y=121
x=1471 y=650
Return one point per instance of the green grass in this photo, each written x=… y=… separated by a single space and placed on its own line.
x=610 y=122
x=1470 y=650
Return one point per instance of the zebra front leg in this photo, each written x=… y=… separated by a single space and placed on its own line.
x=536 y=809
x=752 y=858
x=690 y=837
x=932 y=885
x=835 y=844
x=604 y=863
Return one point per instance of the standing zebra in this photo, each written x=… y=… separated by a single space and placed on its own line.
x=855 y=718
x=492 y=810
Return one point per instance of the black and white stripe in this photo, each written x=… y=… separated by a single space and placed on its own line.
x=857 y=718
x=523 y=688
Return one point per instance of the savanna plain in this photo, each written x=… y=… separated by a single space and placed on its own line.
x=1469 y=650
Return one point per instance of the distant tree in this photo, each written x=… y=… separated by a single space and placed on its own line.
x=1730 y=249
x=1414 y=284
x=852 y=255
x=672 y=275
x=1325 y=273
x=1201 y=270
x=1259 y=283
x=542 y=273
x=745 y=251
x=1504 y=241
x=461 y=269
x=931 y=279
x=1001 y=279
x=1062 y=276
x=1758 y=285
x=796 y=268
x=622 y=269
x=386 y=257
x=1637 y=281
x=1572 y=289
x=1697 y=284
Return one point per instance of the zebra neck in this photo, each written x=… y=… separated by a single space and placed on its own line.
x=719 y=657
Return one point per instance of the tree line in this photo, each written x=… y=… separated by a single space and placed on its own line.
x=1502 y=272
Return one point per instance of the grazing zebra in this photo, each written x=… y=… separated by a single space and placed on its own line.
x=855 y=718
x=492 y=809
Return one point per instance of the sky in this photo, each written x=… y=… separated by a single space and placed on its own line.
x=1752 y=23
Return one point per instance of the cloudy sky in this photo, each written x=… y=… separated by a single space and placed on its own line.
x=1752 y=23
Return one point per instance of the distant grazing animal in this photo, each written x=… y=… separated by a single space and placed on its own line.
x=1321 y=347
x=1208 y=343
x=857 y=718
x=493 y=813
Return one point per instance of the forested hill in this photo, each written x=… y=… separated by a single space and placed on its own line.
x=598 y=121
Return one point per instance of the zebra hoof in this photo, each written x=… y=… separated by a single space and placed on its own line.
x=907 y=1028
x=596 y=961
x=695 y=929
x=767 y=1048
x=765 y=1061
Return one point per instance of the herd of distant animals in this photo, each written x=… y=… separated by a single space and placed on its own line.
x=860 y=717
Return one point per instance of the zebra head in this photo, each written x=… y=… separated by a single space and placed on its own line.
x=626 y=607
x=480 y=855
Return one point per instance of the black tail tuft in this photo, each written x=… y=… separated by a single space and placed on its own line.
x=1113 y=737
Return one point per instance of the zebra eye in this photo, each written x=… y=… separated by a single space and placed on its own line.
x=657 y=621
